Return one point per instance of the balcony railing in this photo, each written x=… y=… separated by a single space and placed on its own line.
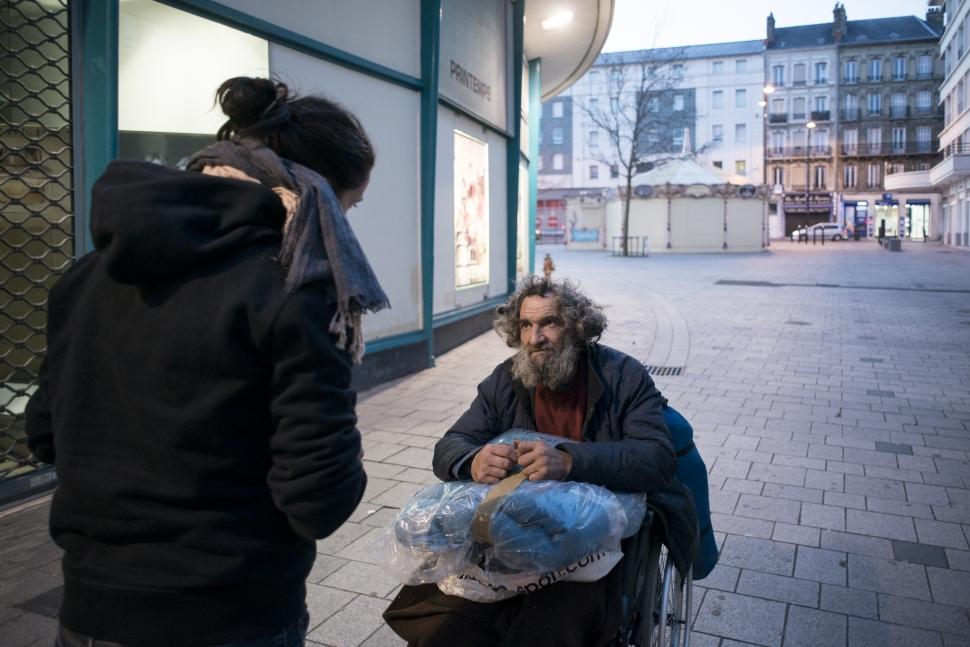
x=850 y=79
x=821 y=80
x=899 y=112
x=820 y=115
x=925 y=110
x=923 y=76
x=873 y=112
x=799 y=82
x=899 y=77
x=778 y=118
x=797 y=115
x=956 y=148
x=851 y=114
x=800 y=151
x=911 y=147
x=873 y=79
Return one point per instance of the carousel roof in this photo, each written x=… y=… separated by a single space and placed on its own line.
x=688 y=170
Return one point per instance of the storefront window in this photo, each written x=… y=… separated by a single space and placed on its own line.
x=170 y=64
x=917 y=220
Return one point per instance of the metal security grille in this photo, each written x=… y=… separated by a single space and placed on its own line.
x=36 y=210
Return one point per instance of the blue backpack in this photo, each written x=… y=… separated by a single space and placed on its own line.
x=692 y=472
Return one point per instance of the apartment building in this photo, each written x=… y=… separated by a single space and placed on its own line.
x=849 y=102
x=800 y=91
x=951 y=175
x=890 y=122
x=712 y=106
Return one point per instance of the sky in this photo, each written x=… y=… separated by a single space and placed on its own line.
x=642 y=24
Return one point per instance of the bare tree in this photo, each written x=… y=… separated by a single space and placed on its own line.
x=642 y=117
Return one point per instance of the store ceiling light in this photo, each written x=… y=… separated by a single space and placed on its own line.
x=556 y=21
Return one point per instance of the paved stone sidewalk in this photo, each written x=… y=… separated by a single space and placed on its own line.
x=829 y=388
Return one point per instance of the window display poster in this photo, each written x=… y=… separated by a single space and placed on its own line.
x=471 y=211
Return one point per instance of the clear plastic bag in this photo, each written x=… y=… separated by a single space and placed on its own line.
x=537 y=528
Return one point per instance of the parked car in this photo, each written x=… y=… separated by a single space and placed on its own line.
x=830 y=230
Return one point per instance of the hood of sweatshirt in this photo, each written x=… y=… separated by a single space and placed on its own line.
x=153 y=224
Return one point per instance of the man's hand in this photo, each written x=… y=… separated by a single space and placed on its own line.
x=492 y=463
x=542 y=461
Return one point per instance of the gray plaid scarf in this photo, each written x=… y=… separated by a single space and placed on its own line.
x=318 y=243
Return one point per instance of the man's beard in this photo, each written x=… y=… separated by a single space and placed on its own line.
x=558 y=369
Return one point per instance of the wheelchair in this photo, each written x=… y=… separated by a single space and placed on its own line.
x=656 y=597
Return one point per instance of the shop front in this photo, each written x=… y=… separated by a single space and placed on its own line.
x=448 y=90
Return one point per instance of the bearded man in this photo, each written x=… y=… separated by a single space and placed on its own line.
x=560 y=382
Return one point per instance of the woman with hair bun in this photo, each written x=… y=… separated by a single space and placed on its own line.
x=196 y=396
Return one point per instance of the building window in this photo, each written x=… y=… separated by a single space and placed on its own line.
x=557 y=162
x=821 y=103
x=897 y=106
x=717 y=99
x=718 y=164
x=874 y=139
x=594 y=139
x=614 y=170
x=850 y=140
x=778 y=75
x=616 y=76
x=899 y=139
x=778 y=175
x=899 y=68
x=557 y=109
x=717 y=67
x=740 y=133
x=653 y=104
x=717 y=133
x=798 y=74
x=924 y=138
x=851 y=72
x=848 y=176
x=820 y=177
x=740 y=66
x=798 y=108
x=594 y=172
x=594 y=105
x=924 y=66
x=677 y=140
x=873 y=175
x=875 y=69
x=778 y=106
x=740 y=167
x=924 y=101
x=874 y=104
x=557 y=135
x=778 y=141
x=594 y=77
x=821 y=73
x=740 y=98
x=678 y=102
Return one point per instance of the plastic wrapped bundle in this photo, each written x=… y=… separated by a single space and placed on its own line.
x=536 y=528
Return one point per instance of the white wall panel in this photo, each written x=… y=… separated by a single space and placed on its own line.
x=387 y=222
x=382 y=31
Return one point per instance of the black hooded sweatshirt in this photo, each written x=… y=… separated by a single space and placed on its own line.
x=201 y=422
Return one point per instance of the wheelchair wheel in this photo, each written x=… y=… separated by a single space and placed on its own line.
x=669 y=622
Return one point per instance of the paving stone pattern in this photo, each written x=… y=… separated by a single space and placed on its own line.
x=835 y=423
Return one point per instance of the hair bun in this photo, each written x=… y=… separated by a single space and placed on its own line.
x=248 y=100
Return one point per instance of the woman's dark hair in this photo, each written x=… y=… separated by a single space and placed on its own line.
x=313 y=131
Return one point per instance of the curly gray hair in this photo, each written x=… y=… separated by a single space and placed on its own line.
x=583 y=320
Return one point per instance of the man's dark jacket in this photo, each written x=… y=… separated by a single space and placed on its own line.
x=201 y=422
x=627 y=446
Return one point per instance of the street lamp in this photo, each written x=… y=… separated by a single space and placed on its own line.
x=763 y=104
x=808 y=165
